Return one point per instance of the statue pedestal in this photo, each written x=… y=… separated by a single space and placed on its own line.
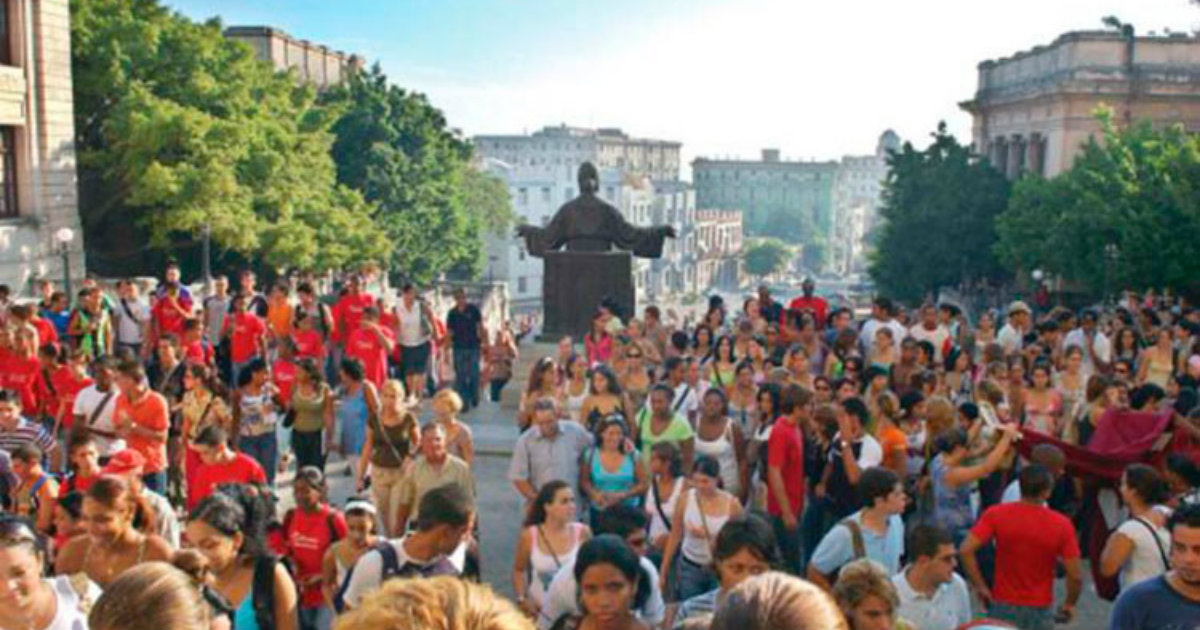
x=574 y=283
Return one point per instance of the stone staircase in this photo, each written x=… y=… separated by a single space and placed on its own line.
x=494 y=425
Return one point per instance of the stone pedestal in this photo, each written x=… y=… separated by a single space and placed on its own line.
x=574 y=283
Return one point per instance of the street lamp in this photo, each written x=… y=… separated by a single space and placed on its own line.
x=63 y=238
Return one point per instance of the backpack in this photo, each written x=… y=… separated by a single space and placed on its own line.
x=857 y=546
x=391 y=569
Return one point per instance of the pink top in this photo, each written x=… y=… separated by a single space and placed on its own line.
x=598 y=351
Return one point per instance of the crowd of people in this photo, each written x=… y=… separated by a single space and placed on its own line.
x=770 y=465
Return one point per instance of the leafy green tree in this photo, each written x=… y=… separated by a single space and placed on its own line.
x=434 y=206
x=1125 y=214
x=938 y=217
x=766 y=256
x=178 y=128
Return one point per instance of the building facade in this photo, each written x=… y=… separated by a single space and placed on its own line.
x=1033 y=111
x=857 y=198
x=39 y=213
x=314 y=63
x=790 y=199
x=718 y=252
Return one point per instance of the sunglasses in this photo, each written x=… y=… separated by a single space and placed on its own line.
x=633 y=356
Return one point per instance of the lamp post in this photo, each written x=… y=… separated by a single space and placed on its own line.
x=62 y=239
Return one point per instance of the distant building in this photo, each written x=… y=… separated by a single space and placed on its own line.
x=38 y=196
x=564 y=148
x=719 y=249
x=1034 y=110
x=314 y=63
x=776 y=197
x=857 y=198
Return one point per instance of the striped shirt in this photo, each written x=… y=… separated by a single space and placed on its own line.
x=26 y=432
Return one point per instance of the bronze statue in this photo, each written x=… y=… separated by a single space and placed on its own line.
x=590 y=224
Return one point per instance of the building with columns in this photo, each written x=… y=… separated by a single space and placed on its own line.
x=320 y=65
x=1033 y=111
x=39 y=214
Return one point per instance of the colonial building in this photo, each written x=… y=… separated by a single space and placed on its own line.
x=719 y=249
x=39 y=215
x=314 y=63
x=1034 y=110
x=777 y=197
x=857 y=198
x=564 y=148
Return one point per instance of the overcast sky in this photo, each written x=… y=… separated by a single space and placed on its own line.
x=815 y=78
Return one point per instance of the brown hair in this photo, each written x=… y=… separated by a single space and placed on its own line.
x=439 y=603
x=151 y=596
x=776 y=600
x=115 y=493
x=940 y=414
x=861 y=579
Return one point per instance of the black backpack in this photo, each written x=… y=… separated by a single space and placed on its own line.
x=391 y=569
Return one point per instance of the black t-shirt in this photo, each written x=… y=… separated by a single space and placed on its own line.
x=464 y=326
x=839 y=491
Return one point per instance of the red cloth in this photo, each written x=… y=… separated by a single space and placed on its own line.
x=285 y=378
x=1029 y=541
x=785 y=451
x=248 y=328
x=24 y=376
x=148 y=412
x=66 y=387
x=308 y=344
x=816 y=304
x=45 y=330
x=305 y=539
x=169 y=319
x=198 y=352
x=366 y=347
x=76 y=483
x=241 y=469
x=1124 y=433
x=347 y=314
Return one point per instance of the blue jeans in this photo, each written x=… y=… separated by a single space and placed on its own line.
x=156 y=482
x=692 y=579
x=791 y=546
x=264 y=450
x=1024 y=617
x=466 y=375
x=316 y=618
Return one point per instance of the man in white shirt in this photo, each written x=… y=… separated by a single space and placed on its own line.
x=1012 y=336
x=930 y=330
x=881 y=315
x=1097 y=350
x=133 y=320
x=562 y=596
x=932 y=595
x=94 y=406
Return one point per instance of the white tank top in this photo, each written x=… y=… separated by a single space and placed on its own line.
x=410 y=324
x=575 y=404
x=698 y=549
x=721 y=449
x=659 y=526
x=544 y=565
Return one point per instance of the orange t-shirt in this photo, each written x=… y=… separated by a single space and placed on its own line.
x=280 y=319
x=149 y=412
x=892 y=439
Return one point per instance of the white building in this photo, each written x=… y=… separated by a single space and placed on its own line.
x=857 y=198
x=541 y=172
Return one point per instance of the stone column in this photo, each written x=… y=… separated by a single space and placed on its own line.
x=1015 y=157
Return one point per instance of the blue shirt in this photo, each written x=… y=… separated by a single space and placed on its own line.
x=837 y=547
x=1153 y=605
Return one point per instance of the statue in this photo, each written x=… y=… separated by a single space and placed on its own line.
x=596 y=265
x=590 y=224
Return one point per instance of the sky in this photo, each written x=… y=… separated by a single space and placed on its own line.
x=818 y=79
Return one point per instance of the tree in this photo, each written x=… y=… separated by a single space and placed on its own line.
x=1126 y=213
x=938 y=218
x=397 y=150
x=766 y=257
x=178 y=128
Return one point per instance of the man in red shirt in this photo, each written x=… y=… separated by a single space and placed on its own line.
x=21 y=372
x=195 y=347
x=1030 y=539
x=814 y=304
x=219 y=465
x=283 y=370
x=348 y=312
x=247 y=336
x=309 y=530
x=142 y=419
x=307 y=339
x=371 y=344
x=21 y=315
x=171 y=309
x=785 y=473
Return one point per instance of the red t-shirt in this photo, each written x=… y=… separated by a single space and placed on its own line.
x=169 y=319
x=241 y=469
x=816 y=304
x=24 y=376
x=76 y=483
x=306 y=538
x=285 y=377
x=248 y=328
x=66 y=387
x=347 y=313
x=45 y=330
x=366 y=347
x=198 y=352
x=308 y=344
x=1029 y=541
x=149 y=412
x=785 y=451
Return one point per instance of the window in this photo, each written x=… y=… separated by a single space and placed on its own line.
x=521 y=288
x=5 y=39
x=8 y=171
x=545 y=194
x=522 y=196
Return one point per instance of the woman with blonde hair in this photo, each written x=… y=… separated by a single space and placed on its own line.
x=438 y=603
x=156 y=595
x=446 y=406
x=865 y=593
x=392 y=438
x=776 y=600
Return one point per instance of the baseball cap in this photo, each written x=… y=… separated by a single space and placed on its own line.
x=1019 y=307
x=123 y=463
